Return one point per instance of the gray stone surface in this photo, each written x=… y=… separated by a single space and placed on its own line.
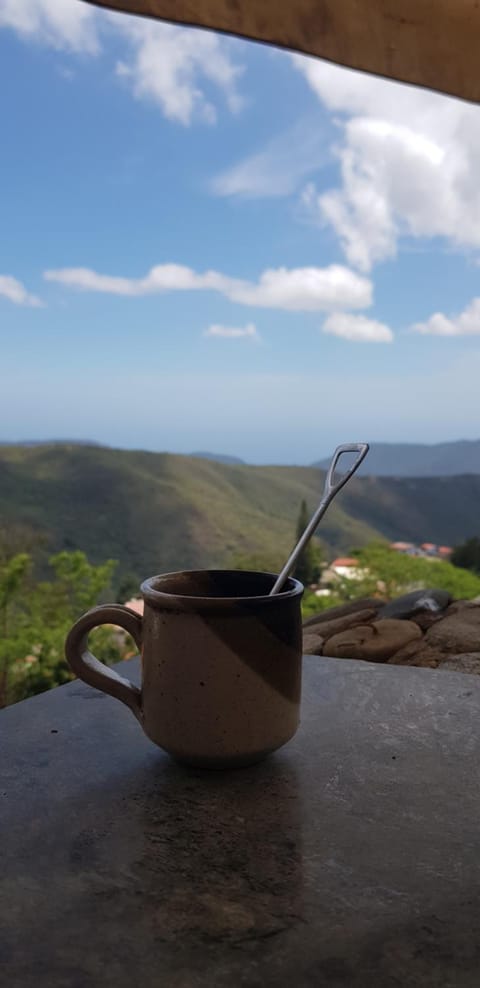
x=350 y=858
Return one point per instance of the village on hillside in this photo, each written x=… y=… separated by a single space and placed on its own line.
x=349 y=568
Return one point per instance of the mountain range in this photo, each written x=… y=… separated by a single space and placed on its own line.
x=384 y=459
x=156 y=512
x=419 y=459
x=218 y=457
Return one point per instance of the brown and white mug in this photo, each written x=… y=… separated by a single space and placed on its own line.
x=221 y=664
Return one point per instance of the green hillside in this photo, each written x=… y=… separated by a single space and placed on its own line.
x=444 y=510
x=155 y=511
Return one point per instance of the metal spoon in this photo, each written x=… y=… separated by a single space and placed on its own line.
x=330 y=490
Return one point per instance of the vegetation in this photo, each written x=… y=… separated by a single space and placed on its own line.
x=393 y=573
x=309 y=562
x=467 y=555
x=386 y=573
x=36 y=617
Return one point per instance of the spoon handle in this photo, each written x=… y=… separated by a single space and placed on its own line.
x=330 y=491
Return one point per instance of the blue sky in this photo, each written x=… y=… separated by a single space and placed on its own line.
x=208 y=244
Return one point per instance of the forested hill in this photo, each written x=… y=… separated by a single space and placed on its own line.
x=156 y=511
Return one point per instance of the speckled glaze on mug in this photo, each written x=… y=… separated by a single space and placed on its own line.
x=221 y=663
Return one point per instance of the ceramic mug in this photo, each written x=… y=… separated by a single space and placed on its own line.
x=221 y=664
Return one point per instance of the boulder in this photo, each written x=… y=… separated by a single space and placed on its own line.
x=375 y=642
x=458 y=605
x=410 y=604
x=343 y=610
x=426 y=619
x=458 y=633
x=416 y=653
x=328 y=628
x=312 y=643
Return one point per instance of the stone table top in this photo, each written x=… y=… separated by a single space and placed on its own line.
x=349 y=858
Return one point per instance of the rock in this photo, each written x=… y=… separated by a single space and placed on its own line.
x=466 y=662
x=375 y=642
x=329 y=628
x=312 y=643
x=426 y=620
x=368 y=603
x=458 y=633
x=458 y=605
x=410 y=604
x=416 y=653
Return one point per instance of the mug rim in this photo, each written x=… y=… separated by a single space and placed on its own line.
x=179 y=600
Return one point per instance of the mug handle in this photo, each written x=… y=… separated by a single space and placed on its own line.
x=95 y=673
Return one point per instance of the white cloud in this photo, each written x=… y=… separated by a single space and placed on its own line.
x=357 y=328
x=169 y=66
x=279 y=167
x=297 y=290
x=233 y=332
x=409 y=161
x=62 y=24
x=14 y=291
x=467 y=323
x=306 y=289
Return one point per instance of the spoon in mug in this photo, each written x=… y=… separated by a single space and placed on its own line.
x=330 y=491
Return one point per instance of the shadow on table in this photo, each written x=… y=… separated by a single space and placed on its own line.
x=186 y=853
x=218 y=855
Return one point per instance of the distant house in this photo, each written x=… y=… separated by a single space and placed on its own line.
x=343 y=565
x=430 y=549
x=135 y=604
x=426 y=550
x=346 y=566
x=407 y=548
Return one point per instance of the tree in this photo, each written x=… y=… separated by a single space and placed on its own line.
x=17 y=538
x=13 y=574
x=128 y=587
x=308 y=566
x=467 y=555
x=36 y=617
